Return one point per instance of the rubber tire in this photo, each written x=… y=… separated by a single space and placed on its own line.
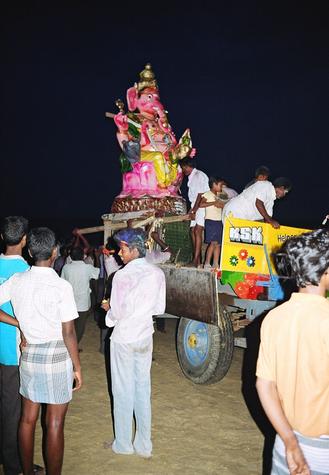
x=220 y=352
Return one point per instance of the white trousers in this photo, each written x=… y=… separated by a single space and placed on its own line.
x=131 y=388
x=199 y=218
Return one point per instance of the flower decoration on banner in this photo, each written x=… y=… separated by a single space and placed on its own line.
x=218 y=273
x=242 y=290
x=243 y=254
x=254 y=292
x=251 y=261
x=234 y=260
x=251 y=279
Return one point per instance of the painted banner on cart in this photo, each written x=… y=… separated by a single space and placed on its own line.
x=248 y=245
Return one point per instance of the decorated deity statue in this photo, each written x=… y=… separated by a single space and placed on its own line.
x=150 y=152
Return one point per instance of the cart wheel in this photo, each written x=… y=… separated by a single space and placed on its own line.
x=205 y=351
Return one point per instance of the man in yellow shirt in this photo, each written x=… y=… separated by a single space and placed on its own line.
x=293 y=362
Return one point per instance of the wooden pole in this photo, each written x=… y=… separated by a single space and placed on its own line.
x=94 y=229
x=112 y=226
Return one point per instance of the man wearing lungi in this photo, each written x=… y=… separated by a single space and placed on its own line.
x=293 y=362
x=45 y=310
x=198 y=183
x=138 y=293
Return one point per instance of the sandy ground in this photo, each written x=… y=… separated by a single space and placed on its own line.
x=196 y=429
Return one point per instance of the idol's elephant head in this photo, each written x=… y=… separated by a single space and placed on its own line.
x=146 y=101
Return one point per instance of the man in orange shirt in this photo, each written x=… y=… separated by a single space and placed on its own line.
x=293 y=362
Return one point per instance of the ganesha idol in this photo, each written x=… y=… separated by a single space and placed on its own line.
x=150 y=152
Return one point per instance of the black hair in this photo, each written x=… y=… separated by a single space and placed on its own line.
x=64 y=250
x=135 y=238
x=111 y=244
x=214 y=180
x=41 y=243
x=262 y=170
x=282 y=181
x=307 y=256
x=187 y=162
x=13 y=229
x=77 y=254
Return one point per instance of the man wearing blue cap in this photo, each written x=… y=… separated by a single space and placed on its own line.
x=138 y=293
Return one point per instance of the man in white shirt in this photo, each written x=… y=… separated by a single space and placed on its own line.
x=138 y=293
x=78 y=273
x=231 y=193
x=45 y=309
x=262 y=173
x=256 y=202
x=198 y=183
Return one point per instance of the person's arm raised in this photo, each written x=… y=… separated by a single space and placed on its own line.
x=86 y=245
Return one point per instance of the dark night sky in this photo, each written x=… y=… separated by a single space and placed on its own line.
x=250 y=82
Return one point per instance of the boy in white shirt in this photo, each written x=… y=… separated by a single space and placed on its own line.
x=45 y=311
x=79 y=274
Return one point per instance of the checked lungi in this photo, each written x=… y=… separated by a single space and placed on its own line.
x=46 y=373
x=315 y=450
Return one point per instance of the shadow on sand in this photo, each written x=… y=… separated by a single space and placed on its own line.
x=248 y=377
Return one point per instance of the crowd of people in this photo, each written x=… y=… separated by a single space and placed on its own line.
x=212 y=201
x=43 y=313
x=45 y=307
